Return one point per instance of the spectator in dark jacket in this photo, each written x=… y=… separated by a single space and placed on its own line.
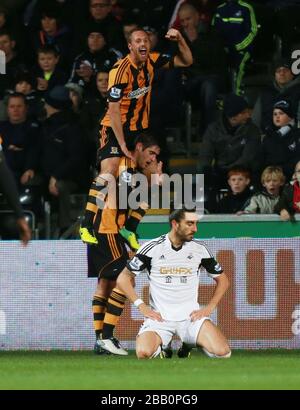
x=239 y=196
x=53 y=32
x=48 y=75
x=63 y=159
x=231 y=141
x=20 y=140
x=8 y=187
x=206 y=77
x=93 y=108
x=281 y=144
x=96 y=54
x=100 y=18
x=284 y=85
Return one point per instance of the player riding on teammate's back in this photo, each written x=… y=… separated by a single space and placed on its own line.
x=129 y=93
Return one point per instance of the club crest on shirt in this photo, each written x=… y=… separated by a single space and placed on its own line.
x=114 y=150
x=135 y=263
x=115 y=92
x=126 y=177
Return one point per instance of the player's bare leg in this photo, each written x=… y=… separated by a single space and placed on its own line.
x=104 y=287
x=110 y=166
x=212 y=341
x=148 y=345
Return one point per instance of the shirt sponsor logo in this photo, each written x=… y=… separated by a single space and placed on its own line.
x=176 y=271
x=138 y=93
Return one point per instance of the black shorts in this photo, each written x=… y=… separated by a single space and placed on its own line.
x=109 y=146
x=108 y=258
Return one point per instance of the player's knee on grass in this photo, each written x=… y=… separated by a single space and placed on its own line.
x=147 y=352
x=219 y=353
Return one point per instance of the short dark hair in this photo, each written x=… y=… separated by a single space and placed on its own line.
x=179 y=214
x=16 y=95
x=146 y=139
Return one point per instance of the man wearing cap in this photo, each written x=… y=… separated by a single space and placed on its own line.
x=62 y=158
x=97 y=53
x=281 y=144
x=284 y=85
x=231 y=141
x=100 y=16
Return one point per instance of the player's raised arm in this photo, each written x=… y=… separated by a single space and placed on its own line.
x=125 y=284
x=184 y=57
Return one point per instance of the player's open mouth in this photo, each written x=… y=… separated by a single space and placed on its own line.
x=143 y=52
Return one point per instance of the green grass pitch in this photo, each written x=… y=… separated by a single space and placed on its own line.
x=58 y=370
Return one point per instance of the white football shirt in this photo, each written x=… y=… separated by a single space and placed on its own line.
x=173 y=275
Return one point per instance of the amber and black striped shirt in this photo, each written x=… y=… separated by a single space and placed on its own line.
x=111 y=219
x=132 y=87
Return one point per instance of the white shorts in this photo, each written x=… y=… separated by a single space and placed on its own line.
x=187 y=331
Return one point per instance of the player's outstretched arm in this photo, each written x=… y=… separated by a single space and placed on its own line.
x=125 y=284
x=184 y=57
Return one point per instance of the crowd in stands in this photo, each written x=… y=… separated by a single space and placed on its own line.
x=242 y=87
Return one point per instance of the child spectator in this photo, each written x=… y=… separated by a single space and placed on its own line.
x=25 y=84
x=289 y=202
x=281 y=145
x=239 y=195
x=264 y=202
x=48 y=75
